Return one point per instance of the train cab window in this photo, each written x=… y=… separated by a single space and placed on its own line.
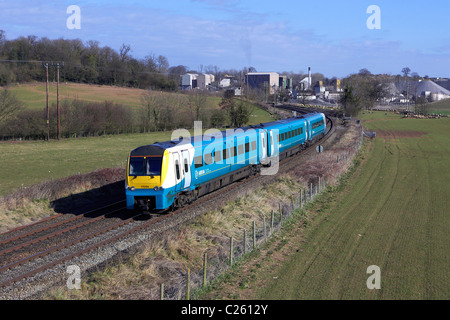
x=253 y=145
x=145 y=166
x=198 y=161
x=217 y=156
x=177 y=169
x=186 y=166
x=241 y=149
x=247 y=147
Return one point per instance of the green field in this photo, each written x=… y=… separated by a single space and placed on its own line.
x=440 y=107
x=26 y=163
x=393 y=212
x=34 y=95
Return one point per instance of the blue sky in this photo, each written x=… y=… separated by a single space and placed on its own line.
x=330 y=36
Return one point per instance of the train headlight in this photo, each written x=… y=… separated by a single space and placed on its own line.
x=156 y=188
x=131 y=188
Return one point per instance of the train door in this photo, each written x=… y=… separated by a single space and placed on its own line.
x=178 y=170
x=263 y=144
x=186 y=168
x=307 y=132
x=270 y=144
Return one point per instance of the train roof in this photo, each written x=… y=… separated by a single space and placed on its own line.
x=219 y=134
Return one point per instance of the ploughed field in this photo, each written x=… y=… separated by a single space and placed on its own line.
x=392 y=212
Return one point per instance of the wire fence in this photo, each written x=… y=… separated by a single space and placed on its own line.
x=183 y=284
x=233 y=249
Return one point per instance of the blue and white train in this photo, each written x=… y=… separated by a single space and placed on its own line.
x=174 y=173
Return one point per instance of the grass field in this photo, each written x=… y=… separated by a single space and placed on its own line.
x=392 y=213
x=34 y=95
x=442 y=107
x=31 y=162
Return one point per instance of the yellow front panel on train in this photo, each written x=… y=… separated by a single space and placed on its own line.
x=144 y=181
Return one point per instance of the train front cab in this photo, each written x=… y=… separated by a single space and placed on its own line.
x=146 y=171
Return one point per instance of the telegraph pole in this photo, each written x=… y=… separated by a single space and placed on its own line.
x=57 y=101
x=48 y=110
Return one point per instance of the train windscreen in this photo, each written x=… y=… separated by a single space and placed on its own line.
x=145 y=166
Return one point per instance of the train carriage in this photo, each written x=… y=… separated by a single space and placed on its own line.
x=174 y=173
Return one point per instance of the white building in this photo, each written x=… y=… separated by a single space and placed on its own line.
x=204 y=80
x=225 y=83
x=187 y=80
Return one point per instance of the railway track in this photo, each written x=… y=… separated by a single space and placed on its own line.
x=27 y=251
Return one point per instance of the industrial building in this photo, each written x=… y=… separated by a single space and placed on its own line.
x=423 y=88
x=262 y=80
x=194 y=80
x=306 y=83
x=189 y=81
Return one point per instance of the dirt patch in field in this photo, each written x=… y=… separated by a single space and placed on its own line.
x=400 y=134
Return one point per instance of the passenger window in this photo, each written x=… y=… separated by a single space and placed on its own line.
x=177 y=169
x=208 y=159
x=198 y=162
x=217 y=156
x=253 y=145
x=241 y=149
x=225 y=154
x=233 y=152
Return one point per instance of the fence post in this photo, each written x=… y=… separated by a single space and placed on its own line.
x=204 y=268
x=162 y=291
x=254 y=235
x=271 y=222
x=245 y=241
x=301 y=199
x=310 y=192
x=231 y=251
x=281 y=216
x=188 y=289
x=265 y=233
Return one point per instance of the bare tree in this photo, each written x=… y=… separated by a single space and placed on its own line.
x=124 y=49
x=198 y=99
x=9 y=105
x=162 y=64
